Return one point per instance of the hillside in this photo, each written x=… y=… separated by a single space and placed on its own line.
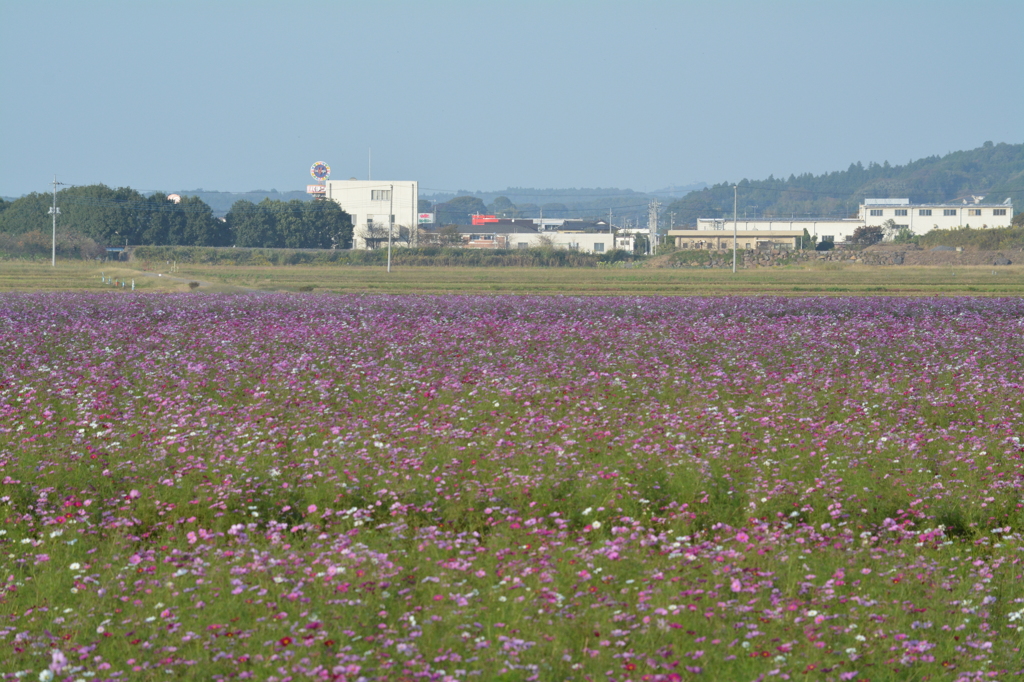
x=995 y=171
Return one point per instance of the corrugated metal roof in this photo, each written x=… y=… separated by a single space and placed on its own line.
x=887 y=202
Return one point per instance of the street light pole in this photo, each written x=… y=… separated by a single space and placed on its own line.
x=391 y=221
x=54 y=211
x=734 y=229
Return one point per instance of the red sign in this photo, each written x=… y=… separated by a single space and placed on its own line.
x=484 y=219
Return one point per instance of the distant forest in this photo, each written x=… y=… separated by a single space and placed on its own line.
x=994 y=171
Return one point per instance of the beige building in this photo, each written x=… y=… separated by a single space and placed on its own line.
x=373 y=205
x=747 y=239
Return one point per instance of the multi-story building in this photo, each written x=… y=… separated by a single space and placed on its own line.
x=378 y=207
x=921 y=218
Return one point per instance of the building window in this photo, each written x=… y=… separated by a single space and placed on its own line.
x=599 y=247
x=974 y=211
x=999 y=211
x=876 y=212
x=369 y=221
x=901 y=211
x=474 y=237
x=925 y=211
x=380 y=195
x=949 y=211
x=902 y=227
x=523 y=245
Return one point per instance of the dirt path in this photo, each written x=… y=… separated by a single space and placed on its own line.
x=228 y=288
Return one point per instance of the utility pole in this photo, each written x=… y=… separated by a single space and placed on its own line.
x=734 y=194
x=54 y=211
x=652 y=224
x=391 y=221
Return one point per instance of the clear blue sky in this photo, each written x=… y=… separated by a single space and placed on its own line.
x=238 y=96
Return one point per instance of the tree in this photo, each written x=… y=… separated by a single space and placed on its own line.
x=201 y=228
x=449 y=236
x=251 y=225
x=866 y=235
x=459 y=211
x=503 y=208
x=293 y=231
x=808 y=242
x=555 y=210
x=328 y=226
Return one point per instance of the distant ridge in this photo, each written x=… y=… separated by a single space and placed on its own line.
x=994 y=171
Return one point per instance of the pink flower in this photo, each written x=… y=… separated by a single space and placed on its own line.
x=58 y=661
x=736 y=585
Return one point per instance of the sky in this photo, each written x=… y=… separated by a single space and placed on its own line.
x=484 y=95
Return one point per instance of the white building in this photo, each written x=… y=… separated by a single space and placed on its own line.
x=373 y=205
x=921 y=218
x=524 y=235
x=918 y=218
x=585 y=242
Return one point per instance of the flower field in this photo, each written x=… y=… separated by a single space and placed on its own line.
x=292 y=487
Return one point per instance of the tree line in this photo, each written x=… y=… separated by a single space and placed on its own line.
x=111 y=217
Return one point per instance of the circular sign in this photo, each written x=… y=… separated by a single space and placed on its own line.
x=320 y=170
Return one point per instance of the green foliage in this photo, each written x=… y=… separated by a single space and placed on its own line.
x=905 y=236
x=424 y=256
x=992 y=239
x=112 y=216
x=866 y=235
x=503 y=208
x=459 y=211
x=38 y=245
x=319 y=224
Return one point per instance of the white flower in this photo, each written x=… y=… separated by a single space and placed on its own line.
x=75 y=566
x=595 y=525
x=45 y=676
x=587 y=510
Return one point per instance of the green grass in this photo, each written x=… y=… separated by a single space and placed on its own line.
x=814 y=279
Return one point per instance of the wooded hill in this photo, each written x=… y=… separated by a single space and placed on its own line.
x=995 y=171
